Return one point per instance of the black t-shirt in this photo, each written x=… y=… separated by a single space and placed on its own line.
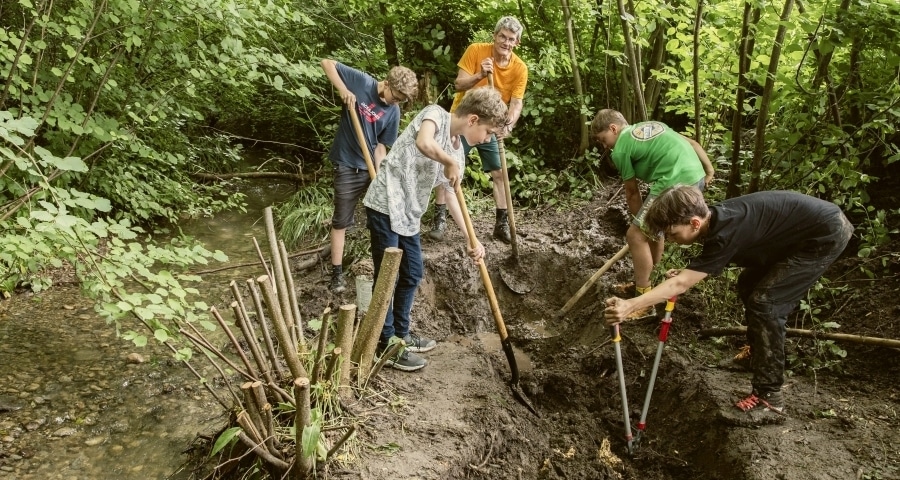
x=762 y=228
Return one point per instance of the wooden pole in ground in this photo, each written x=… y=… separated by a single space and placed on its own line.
x=292 y=296
x=302 y=419
x=370 y=329
x=321 y=345
x=288 y=348
x=283 y=301
x=264 y=327
x=343 y=340
x=796 y=332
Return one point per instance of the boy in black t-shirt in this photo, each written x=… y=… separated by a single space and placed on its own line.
x=784 y=240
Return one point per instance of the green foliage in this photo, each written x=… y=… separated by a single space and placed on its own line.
x=226 y=438
x=306 y=216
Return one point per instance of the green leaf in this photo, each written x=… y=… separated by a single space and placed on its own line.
x=278 y=83
x=140 y=341
x=72 y=164
x=224 y=439
x=161 y=335
x=310 y=440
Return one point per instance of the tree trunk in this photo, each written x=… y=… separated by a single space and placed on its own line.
x=576 y=78
x=744 y=50
x=698 y=120
x=631 y=55
x=390 y=41
x=763 y=117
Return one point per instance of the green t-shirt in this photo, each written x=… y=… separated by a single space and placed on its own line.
x=656 y=154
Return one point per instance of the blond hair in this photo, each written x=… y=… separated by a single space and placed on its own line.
x=485 y=102
x=403 y=80
x=605 y=118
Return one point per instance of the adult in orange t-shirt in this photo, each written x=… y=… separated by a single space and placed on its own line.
x=483 y=60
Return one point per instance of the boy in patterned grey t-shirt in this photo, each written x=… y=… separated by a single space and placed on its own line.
x=428 y=153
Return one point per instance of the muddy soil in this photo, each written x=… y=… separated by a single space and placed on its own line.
x=457 y=418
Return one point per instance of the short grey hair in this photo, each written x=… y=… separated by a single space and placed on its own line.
x=511 y=24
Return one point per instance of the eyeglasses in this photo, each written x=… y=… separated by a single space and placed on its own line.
x=396 y=97
x=504 y=39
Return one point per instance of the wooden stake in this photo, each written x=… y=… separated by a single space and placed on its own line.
x=237 y=346
x=288 y=349
x=302 y=419
x=264 y=327
x=292 y=297
x=370 y=328
x=343 y=340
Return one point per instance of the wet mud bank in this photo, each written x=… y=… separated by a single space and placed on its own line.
x=837 y=427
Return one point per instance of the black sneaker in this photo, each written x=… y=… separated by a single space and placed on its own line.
x=501 y=232
x=415 y=343
x=338 y=285
x=406 y=361
x=771 y=401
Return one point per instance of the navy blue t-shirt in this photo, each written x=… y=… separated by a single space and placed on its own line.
x=762 y=228
x=380 y=121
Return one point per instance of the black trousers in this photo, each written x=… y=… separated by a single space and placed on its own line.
x=770 y=293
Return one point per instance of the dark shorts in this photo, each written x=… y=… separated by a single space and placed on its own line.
x=350 y=184
x=488 y=151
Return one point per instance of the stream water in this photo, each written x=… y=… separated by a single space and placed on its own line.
x=76 y=402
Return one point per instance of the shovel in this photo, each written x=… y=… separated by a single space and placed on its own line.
x=664 y=325
x=495 y=310
x=510 y=271
x=361 y=139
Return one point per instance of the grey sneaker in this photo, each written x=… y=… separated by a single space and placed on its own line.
x=771 y=401
x=406 y=361
x=338 y=285
x=438 y=229
x=415 y=343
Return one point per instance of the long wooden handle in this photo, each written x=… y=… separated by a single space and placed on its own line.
x=485 y=276
x=361 y=139
x=506 y=191
x=591 y=281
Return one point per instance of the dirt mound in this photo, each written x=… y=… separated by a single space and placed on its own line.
x=457 y=418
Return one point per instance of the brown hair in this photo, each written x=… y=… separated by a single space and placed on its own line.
x=487 y=104
x=675 y=206
x=404 y=81
x=605 y=118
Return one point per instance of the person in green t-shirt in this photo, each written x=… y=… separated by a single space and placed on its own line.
x=656 y=154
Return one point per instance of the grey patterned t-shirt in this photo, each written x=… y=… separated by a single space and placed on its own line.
x=403 y=185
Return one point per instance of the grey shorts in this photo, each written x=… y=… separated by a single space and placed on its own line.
x=350 y=184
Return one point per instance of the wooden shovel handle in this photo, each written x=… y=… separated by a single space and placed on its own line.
x=507 y=192
x=361 y=139
x=485 y=276
x=591 y=281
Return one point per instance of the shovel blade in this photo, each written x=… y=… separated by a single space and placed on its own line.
x=515 y=277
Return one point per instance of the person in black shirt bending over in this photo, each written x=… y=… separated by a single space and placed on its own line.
x=784 y=240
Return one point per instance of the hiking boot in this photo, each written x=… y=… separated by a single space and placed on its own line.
x=501 y=227
x=338 y=285
x=439 y=227
x=415 y=343
x=771 y=402
x=406 y=361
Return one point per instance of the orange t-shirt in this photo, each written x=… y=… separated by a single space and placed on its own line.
x=510 y=80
